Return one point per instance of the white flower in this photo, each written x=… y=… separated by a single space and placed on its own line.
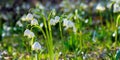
x=34 y=22
x=19 y=23
x=116 y=8
x=23 y=18
x=36 y=46
x=29 y=16
x=41 y=25
x=109 y=5
x=83 y=5
x=54 y=21
x=29 y=33
x=100 y=7
x=40 y=6
x=116 y=1
x=65 y=22
x=69 y=24
x=86 y=21
x=114 y=34
x=57 y=18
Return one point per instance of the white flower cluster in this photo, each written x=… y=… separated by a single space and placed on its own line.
x=116 y=8
x=19 y=23
x=29 y=33
x=69 y=24
x=100 y=7
x=54 y=21
x=31 y=18
x=28 y=17
x=34 y=22
x=36 y=46
x=116 y=5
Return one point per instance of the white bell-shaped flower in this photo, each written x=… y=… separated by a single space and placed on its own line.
x=52 y=22
x=19 y=23
x=41 y=25
x=29 y=33
x=65 y=22
x=34 y=22
x=23 y=18
x=114 y=34
x=29 y=16
x=57 y=18
x=69 y=24
x=36 y=46
x=116 y=8
x=100 y=7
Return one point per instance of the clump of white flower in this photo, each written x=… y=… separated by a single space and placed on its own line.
x=65 y=22
x=34 y=22
x=57 y=18
x=100 y=7
x=109 y=5
x=19 y=23
x=29 y=33
x=40 y=6
x=69 y=24
x=23 y=18
x=54 y=21
x=116 y=8
x=28 y=17
x=83 y=6
x=116 y=1
x=36 y=46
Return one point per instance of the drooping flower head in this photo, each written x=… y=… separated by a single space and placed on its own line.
x=36 y=46
x=19 y=23
x=65 y=22
x=34 y=22
x=29 y=33
x=57 y=18
x=54 y=21
x=100 y=7
x=116 y=8
x=69 y=24
x=27 y=17
x=41 y=25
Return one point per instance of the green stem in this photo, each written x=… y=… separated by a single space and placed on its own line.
x=117 y=22
x=36 y=56
x=60 y=27
x=50 y=40
x=101 y=21
x=41 y=31
x=32 y=42
x=49 y=37
x=81 y=40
